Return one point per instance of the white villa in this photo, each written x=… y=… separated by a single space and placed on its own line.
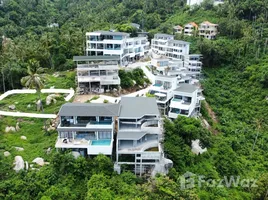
x=165 y=45
x=190 y=29
x=178 y=29
x=87 y=128
x=97 y=73
x=185 y=101
x=108 y=43
x=139 y=135
x=163 y=91
x=193 y=63
x=208 y=30
x=90 y=129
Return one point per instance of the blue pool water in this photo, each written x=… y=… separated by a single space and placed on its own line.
x=101 y=142
x=157 y=85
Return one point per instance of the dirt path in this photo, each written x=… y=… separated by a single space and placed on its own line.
x=211 y=113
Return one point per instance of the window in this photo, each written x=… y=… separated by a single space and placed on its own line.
x=104 y=135
x=87 y=135
x=68 y=135
x=117 y=46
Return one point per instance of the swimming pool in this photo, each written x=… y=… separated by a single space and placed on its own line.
x=101 y=142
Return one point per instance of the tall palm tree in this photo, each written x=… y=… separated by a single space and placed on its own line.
x=35 y=78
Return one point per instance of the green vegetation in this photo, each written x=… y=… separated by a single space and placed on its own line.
x=149 y=95
x=21 y=101
x=105 y=101
x=60 y=80
x=93 y=98
x=136 y=77
x=235 y=87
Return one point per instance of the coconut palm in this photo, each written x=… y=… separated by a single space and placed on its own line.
x=35 y=78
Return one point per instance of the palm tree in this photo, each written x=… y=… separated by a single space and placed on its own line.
x=35 y=78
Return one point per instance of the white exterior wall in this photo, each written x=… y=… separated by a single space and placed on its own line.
x=86 y=144
x=166 y=48
x=181 y=106
x=125 y=51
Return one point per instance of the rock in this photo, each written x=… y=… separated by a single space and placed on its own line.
x=196 y=148
x=75 y=154
x=39 y=161
x=6 y=154
x=26 y=165
x=17 y=126
x=19 y=148
x=115 y=90
x=51 y=128
x=19 y=163
x=51 y=98
x=12 y=107
x=10 y=129
x=38 y=105
x=48 y=151
x=23 y=137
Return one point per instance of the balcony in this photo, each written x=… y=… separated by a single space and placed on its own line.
x=128 y=147
x=151 y=126
x=94 y=147
x=80 y=126
x=174 y=115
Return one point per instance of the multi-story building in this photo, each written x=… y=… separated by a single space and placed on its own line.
x=165 y=45
x=138 y=138
x=87 y=128
x=193 y=63
x=208 y=30
x=107 y=43
x=185 y=101
x=97 y=73
x=190 y=29
x=163 y=91
x=178 y=29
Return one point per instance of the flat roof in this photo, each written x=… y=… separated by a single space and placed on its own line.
x=89 y=109
x=95 y=58
x=184 y=87
x=163 y=35
x=111 y=33
x=165 y=76
x=137 y=107
x=178 y=42
x=130 y=135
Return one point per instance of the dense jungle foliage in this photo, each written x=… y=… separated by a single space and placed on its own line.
x=235 y=86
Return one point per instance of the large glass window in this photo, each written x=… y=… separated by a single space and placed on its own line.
x=105 y=135
x=117 y=46
x=87 y=135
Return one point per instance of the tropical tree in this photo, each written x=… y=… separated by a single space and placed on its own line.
x=35 y=78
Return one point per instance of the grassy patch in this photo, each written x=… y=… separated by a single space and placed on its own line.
x=63 y=80
x=21 y=101
x=93 y=98
x=35 y=145
x=149 y=95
